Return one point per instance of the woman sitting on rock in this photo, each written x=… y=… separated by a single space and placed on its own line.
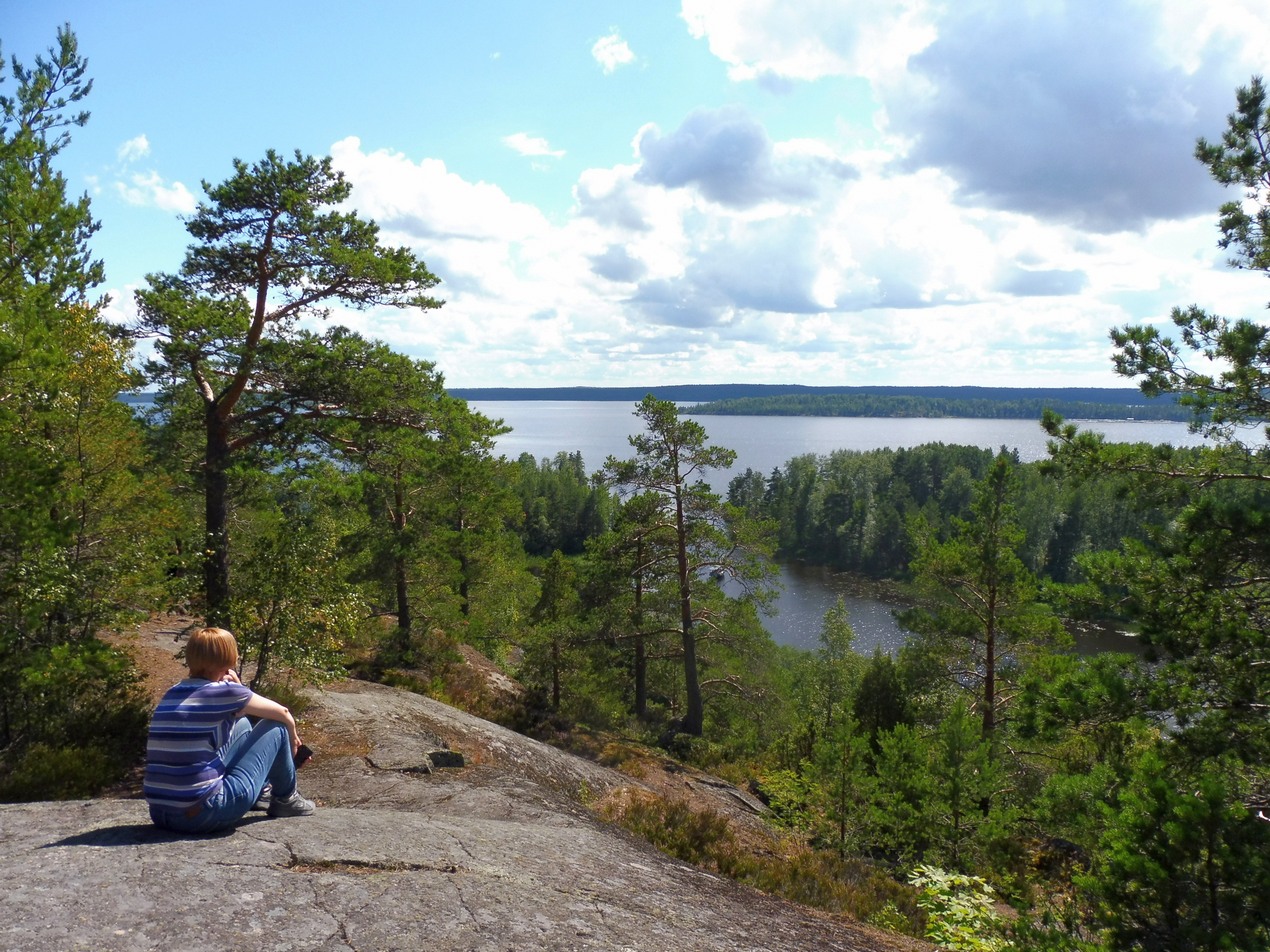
x=206 y=765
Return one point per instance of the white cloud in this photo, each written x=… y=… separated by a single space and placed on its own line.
x=471 y=234
x=1081 y=112
x=149 y=189
x=135 y=148
x=526 y=144
x=811 y=39
x=612 y=52
x=686 y=266
x=1074 y=112
x=727 y=156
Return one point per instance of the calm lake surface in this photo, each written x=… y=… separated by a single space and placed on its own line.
x=762 y=443
x=600 y=429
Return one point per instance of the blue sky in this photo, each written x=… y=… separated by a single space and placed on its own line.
x=641 y=193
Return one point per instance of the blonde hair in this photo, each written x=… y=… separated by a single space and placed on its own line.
x=210 y=651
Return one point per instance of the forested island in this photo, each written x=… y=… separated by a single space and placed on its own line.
x=327 y=498
x=986 y=403
x=992 y=403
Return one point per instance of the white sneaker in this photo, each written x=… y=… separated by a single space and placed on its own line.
x=294 y=805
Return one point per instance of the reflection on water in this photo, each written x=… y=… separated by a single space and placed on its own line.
x=809 y=591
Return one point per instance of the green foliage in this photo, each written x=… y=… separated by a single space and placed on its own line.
x=549 y=645
x=881 y=700
x=980 y=604
x=704 y=838
x=1183 y=863
x=1241 y=159
x=294 y=607
x=848 y=509
x=788 y=795
x=438 y=506
x=80 y=521
x=935 y=402
x=839 y=885
x=838 y=668
x=58 y=773
x=689 y=537
x=903 y=797
x=960 y=911
x=701 y=837
x=844 y=787
x=78 y=721
x=273 y=246
x=966 y=812
x=1180 y=861
x=562 y=507
x=889 y=918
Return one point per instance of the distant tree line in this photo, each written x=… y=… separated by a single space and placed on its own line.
x=1014 y=406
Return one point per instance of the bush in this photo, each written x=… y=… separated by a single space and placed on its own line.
x=838 y=885
x=77 y=720
x=822 y=880
x=960 y=910
x=287 y=694
x=59 y=773
x=700 y=837
x=632 y=761
x=788 y=795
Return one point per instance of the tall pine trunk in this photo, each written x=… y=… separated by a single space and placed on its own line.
x=401 y=578
x=694 y=715
x=641 y=652
x=216 y=519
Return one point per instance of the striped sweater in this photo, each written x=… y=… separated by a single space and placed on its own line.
x=188 y=730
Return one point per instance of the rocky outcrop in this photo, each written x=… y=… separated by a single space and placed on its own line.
x=403 y=853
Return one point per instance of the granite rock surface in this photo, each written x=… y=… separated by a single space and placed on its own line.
x=407 y=851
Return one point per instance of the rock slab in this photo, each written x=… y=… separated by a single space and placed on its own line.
x=496 y=855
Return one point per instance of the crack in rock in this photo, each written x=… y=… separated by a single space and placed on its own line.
x=356 y=867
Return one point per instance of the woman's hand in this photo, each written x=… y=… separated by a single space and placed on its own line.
x=231 y=676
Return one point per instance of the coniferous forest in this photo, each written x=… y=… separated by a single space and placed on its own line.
x=330 y=501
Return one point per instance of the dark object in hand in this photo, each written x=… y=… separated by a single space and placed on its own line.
x=302 y=755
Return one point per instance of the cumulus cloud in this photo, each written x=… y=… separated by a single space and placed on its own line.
x=812 y=39
x=612 y=52
x=1083 y=112
x=426 y=201
x=526 y=144
x=1027 y=282
x=135 y=148
x=616 y=264
x=149 y=189
x=771 y=265
x=1068 y=112
x=773 y=261
x=608 y=197
x=727 y=156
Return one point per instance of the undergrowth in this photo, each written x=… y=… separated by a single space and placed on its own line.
x=825 y=881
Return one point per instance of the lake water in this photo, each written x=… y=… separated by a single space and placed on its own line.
x=600 y=429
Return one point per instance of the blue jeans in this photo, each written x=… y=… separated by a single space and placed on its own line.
x=253 y=756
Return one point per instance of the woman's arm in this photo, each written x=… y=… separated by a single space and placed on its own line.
x=260 y=706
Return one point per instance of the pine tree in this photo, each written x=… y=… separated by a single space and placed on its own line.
x=709 y=537
x=272 y=246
